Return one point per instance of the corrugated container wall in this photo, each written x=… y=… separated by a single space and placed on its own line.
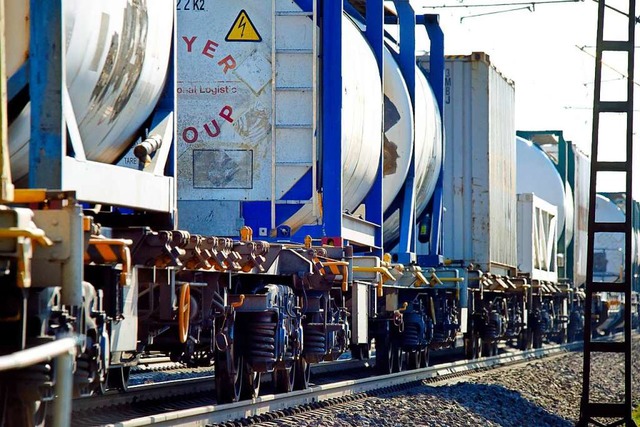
x=581 y=203
x=479 y=170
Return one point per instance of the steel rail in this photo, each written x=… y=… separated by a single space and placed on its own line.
x=212 y=414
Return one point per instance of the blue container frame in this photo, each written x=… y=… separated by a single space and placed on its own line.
x=44 y=73
x=330 y=182
x=409 y=218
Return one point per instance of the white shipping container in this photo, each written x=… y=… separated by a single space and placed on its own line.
x=537 y=238
x=479 y=171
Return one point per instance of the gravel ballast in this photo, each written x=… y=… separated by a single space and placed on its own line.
x=544 y=392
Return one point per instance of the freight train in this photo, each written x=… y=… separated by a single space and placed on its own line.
x=261 y=186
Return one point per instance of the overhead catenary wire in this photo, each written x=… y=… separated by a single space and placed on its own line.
x=621 y=73
x=528 y=3
x=529 y=8
x=608 y=6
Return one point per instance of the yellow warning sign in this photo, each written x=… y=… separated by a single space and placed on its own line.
x=243 y=30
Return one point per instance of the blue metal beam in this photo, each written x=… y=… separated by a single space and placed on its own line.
x=375 y=36
x=407 y=62
x=332 y=117
x=436 y=80
x=47 y=80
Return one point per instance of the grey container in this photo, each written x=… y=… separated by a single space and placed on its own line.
x=479 y=172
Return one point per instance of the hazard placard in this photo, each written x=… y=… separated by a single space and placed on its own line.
x=243 y=30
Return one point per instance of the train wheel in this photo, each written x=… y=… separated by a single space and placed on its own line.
x=537 y=339
x=359 y=351
x=303 y=374
x=284 y=379
x=27 y=414
x=424 y=360
x=228 y=375
x=184 y=312
x=398 y=358
x=105 y=361
x=384 y=356
x=118 y=378
x=472 y=346
x=563 y=338
x=523 y=339
x=489 y=348
x=250 y=383
x=414 y=359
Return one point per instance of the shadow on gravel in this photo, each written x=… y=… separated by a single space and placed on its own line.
x=497 y=404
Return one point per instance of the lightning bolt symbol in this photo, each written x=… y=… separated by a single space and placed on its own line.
x=241 y=24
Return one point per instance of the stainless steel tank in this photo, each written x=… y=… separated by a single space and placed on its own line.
x=117 y=54
x=536 y=174
x=428 y=142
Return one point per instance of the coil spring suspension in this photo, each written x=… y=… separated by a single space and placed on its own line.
x=314 y=341
x=260 y=337
x=411 y=334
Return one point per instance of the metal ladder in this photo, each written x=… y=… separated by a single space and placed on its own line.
x=293 y=132
x=589 y=411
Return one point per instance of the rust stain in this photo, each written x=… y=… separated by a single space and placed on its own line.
x=254 y=125
x=122 y=68
x=391 y=117
x=390 y=157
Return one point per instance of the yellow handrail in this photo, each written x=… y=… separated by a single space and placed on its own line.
x=387 y=276
x=35 y=234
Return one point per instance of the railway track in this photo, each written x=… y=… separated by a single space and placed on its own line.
x=192 y=402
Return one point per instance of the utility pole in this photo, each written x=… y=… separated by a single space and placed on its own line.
x=618 y=413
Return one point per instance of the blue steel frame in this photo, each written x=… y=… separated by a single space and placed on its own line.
x=49 y=165
x=375 y=36
x=407 y=61
x=331 y=159
x=331 y=13
x=407 y=20
x=332 y=117
x=435 y=77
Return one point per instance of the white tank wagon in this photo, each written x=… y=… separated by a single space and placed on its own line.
x=117 y=55
x=269 y=137
x=536 y=174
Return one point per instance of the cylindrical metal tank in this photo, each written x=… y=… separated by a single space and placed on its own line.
x=398 y=130
x=536 y=174
x=361 y=118
x=117 y=54
x=360 y=141
x=253 y=111
x=428 y=144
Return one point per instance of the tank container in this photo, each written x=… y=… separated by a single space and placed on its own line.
x=581 y=179
x=537 y=174
x=428 y=147
x=479 y=196
x=248 y=111
x=117 y=54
